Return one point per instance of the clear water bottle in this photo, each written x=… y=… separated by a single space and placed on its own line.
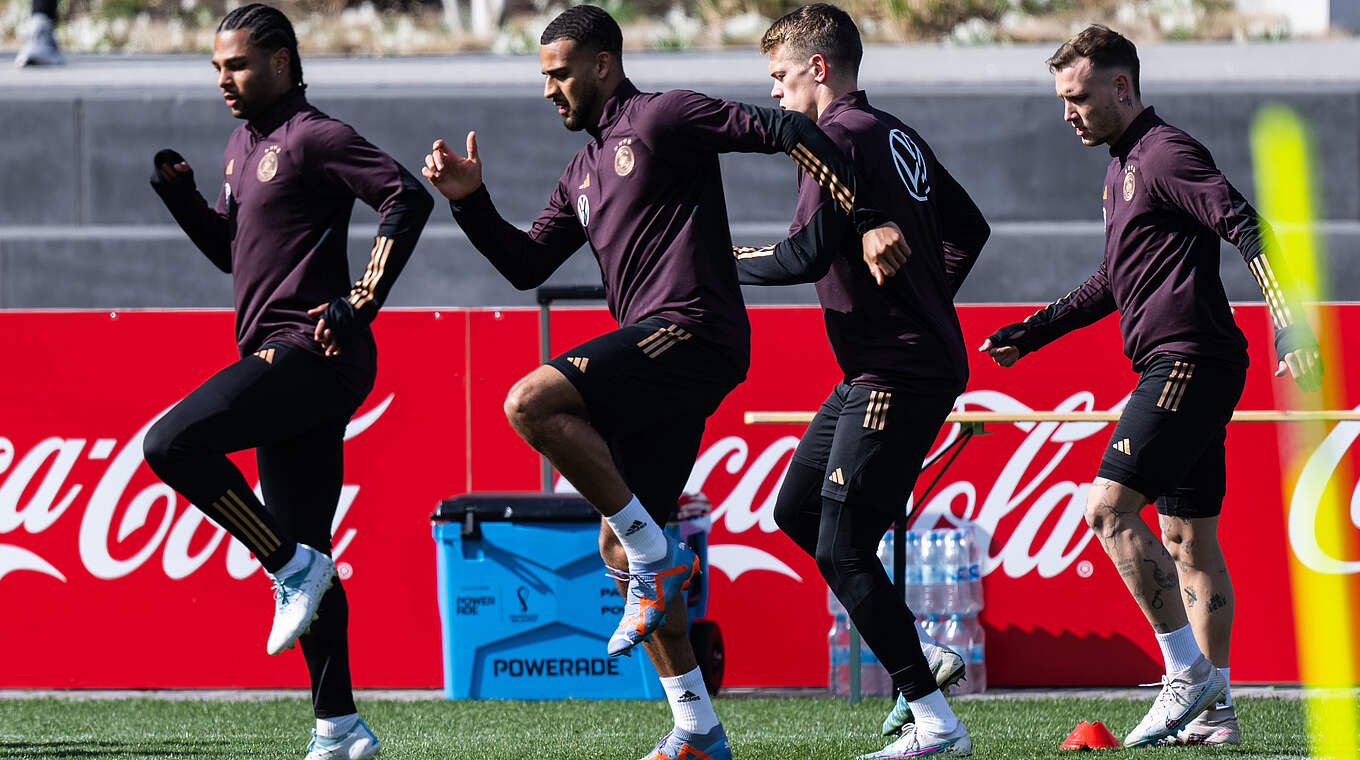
x=955 y=573
x=933 y=580
x=914 y=600
x=885 y=553
x=874 y=680
x=833 y=605
x=974 y=569
x=977 y=660
x=838 y=644
x=934 y=626
x=953 y=635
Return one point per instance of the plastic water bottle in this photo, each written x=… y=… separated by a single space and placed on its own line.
x=974 y=553
x=914 y=600
x=934 y=627
x=838 y=642
x=933 y=582
x=977 y=661
x=874 y=680
x=974 y=567
x=952 y=634
x=955 y=573
x=885 y=553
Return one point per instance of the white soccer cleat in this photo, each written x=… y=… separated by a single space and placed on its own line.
x=1184 y=695
x=947 y=667
x=917 y=743
x=1211 y=728
x=40 y=44
x=358 y=744
x=296 y=599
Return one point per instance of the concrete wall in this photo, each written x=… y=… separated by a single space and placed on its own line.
x=79 y=225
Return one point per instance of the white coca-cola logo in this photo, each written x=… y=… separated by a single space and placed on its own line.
x=1021 y=484
x=1308 y=500
x=176 y=522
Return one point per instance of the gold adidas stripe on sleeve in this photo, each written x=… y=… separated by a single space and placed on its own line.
x=364 y=290
x=747 y=252
x=822 y=174
x=1270 y=287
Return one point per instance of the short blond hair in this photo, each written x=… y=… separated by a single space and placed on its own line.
x=817 y=28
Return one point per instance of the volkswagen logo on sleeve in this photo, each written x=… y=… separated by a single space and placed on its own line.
x=910 y=163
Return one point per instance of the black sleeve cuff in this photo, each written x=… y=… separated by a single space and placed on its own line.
x=479 y=198
x=1292 y=338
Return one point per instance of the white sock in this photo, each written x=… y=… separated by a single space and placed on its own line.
x=1179 y=649
x=689 y=702
x=333 y=727
x=294 y=565
x=1226 y=701
x=641 y=537
x=932 y=713
x=924 y=637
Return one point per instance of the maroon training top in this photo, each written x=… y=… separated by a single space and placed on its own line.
x=1166 y=205
x=281 y=223
x=905 y=333
x=646 y=193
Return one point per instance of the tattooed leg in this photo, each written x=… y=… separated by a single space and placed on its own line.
x=1113 y=512
x=1204 y=580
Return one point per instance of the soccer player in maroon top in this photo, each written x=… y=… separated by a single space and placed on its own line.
x=280 y=227
x=898 y=342
x=621 y=416
x=1166 y=205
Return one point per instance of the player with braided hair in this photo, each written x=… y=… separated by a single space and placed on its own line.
x=280 y=227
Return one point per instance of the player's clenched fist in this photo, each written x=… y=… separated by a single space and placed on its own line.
x=452 y=175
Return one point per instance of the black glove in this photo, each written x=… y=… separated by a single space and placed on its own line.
x=1012 y=335
x=342 y=320
x=167 y=157
x=1292 y=338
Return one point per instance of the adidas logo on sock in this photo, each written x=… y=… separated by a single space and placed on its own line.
x=688 y=696
x=634 y=528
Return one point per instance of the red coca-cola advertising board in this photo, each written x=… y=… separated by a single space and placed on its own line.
x=110 y=579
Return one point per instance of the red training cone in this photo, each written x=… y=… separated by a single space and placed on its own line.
x=1099 y=737
x=1076 y=739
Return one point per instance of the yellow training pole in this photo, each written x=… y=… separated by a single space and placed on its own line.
x=1324 y=597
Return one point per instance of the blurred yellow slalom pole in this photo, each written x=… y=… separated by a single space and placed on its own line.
x=1325 y=606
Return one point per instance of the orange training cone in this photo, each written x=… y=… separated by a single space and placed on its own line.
x=1099 y=737
x=1076 y=739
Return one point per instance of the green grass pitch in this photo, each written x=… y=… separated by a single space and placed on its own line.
x=761 y=729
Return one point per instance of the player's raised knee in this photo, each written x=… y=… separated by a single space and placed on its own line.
x=522 y=403
x=159 y=445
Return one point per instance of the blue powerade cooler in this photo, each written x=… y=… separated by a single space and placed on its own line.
x=525 y=603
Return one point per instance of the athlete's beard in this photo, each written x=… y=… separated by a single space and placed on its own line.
x=575 y=117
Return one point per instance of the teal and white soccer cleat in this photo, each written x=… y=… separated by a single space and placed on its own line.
x=296 y=599
x=916 y=743
x=651 y=587
x=358 y=744
x=680 y=744
x=1184 y=695
x=1211 y=728
x=947 y=667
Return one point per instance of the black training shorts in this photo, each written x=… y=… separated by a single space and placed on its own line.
x=649 y=387
x=870 y=443
x=1168 y=444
